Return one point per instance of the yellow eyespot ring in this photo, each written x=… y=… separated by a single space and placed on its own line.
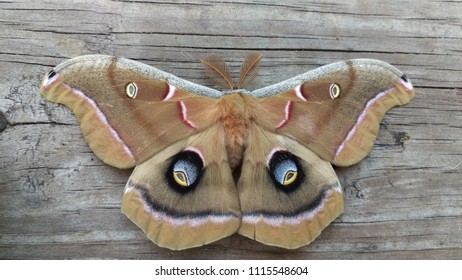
x=131 y=90
x=180 y=178
x=290 y=177
x=334 y=91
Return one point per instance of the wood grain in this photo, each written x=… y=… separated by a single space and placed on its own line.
x=57 y=200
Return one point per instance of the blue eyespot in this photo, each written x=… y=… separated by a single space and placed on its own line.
x=185 y=171
x=285 y=170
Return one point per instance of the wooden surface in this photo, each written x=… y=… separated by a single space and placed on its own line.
x=404 y=201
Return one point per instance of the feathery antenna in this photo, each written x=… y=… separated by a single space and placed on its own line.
x=216 y=69
x=249 y=69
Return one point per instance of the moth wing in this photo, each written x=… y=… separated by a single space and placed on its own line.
x=177 y=202
x=335 y=110
x=287 y=193
x=128 y=111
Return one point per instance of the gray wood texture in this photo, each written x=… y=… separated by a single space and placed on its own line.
x=404 y=201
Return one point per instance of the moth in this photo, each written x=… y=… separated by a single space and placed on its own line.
x=211 y=163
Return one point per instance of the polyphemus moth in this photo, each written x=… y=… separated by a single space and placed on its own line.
x=211 y=163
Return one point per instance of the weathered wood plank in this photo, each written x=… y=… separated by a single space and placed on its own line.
x=57 y=200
